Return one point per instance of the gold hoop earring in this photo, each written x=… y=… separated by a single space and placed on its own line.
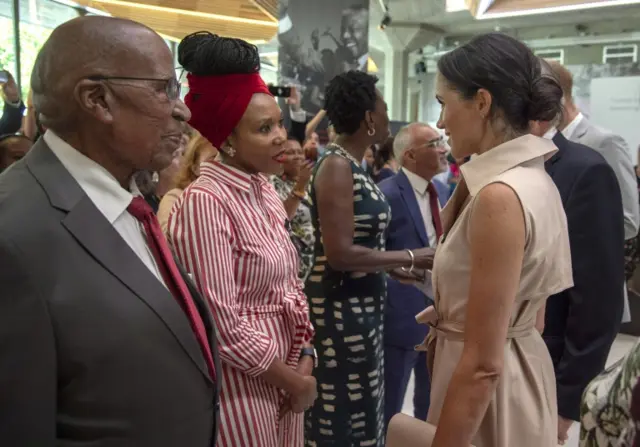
x=371 y=132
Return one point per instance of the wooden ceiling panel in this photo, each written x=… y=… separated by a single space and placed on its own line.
x=233 y=8
x=269 y=7
x=177 y=18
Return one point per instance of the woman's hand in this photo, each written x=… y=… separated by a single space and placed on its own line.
x=405 y=277
x=294 y=99
x=304 y=398
x=305 y=368
x=304 y=175
x=299 y=404
x=423 y=258
x=305 y=365
x=564 y=425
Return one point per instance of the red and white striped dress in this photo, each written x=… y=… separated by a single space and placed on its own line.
x=228 y=230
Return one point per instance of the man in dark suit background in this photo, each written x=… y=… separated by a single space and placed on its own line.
x=581 y=323
x=577 y=128
x=415 y=223
x=95 y=347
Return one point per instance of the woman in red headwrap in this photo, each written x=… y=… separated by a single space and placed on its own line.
x=229 y=230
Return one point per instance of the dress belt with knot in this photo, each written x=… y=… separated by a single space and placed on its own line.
x=454 y=331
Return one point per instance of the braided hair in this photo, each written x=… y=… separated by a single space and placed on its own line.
x=207 y=54
x=347 y=99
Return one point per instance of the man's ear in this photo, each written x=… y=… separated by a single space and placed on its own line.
x=93 y=98
x=408 y=155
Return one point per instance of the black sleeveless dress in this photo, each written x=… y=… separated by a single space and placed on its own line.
x=347 y=311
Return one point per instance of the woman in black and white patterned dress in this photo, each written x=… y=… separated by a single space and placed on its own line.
x=347 y=287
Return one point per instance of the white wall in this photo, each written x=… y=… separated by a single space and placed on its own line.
x=269 y=76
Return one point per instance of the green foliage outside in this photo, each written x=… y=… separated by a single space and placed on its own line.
x=32 y=37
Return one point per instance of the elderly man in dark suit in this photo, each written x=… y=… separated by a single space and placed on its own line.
x=103 y=340
x=581 y=323
x=415 y=199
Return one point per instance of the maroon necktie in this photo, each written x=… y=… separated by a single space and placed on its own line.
x=141 y=210
x=435 y=208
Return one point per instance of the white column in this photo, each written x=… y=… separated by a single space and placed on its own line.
x=396 y=83
x=430 y=107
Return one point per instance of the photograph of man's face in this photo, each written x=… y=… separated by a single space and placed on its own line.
x=354 y=30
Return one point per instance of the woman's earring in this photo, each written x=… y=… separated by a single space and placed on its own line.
x=155 y=178
x=230 y=151
x=371 y=132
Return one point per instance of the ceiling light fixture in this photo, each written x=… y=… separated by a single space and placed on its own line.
x=555 y=9
x=187 y=12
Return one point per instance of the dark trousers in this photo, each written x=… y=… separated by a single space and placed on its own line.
x=398 y=364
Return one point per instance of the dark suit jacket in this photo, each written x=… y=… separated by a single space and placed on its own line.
x=11 y=119
x=406 y=230
x=94 y=351
x=582 y=322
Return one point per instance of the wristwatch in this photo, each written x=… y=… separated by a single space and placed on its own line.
x=311 y=352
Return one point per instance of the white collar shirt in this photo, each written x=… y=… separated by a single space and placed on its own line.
x=107 y=195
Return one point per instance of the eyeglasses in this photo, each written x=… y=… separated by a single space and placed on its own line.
x=438 y=142
x=172 y=85
x=435 y=143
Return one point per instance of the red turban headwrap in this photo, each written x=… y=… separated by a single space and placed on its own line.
x=217 y=103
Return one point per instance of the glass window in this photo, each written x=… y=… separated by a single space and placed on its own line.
x=37 y=19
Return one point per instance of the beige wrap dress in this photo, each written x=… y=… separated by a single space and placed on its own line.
x=523 y=410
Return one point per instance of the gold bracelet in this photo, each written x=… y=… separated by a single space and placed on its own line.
x=298 y=194
x=413 y=259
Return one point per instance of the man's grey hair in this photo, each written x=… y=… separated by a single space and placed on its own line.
x=403 y=140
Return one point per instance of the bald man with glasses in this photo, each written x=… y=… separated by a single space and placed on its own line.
x=104 y=341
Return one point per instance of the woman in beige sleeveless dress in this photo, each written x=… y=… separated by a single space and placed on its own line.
x=505 y=249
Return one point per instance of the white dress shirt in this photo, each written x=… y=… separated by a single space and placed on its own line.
x=107 y=195
x=571 y=127
x=419 y=186
x=550 y=133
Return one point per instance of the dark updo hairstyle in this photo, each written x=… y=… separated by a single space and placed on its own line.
x=347 y=99
x=206 y=54
x=383 y=154
x=511 y=73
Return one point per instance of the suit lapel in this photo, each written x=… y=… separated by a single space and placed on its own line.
x=94 y=232
x=207 y=318
x=409 y=197
x=561 y=143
